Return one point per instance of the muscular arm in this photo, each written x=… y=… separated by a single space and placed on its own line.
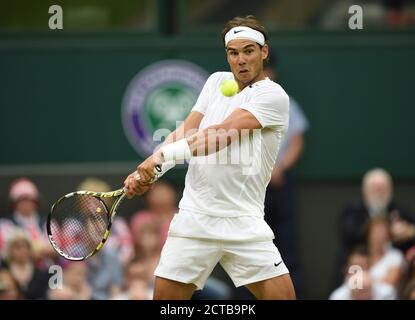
x=217 y=137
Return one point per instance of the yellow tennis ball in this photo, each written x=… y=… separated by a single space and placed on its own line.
x=229 y=88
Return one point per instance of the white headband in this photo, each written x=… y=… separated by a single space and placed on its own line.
x=243 y=32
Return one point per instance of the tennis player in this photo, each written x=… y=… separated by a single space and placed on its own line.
x=221 y=213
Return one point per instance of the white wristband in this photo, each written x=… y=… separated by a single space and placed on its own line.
x=176 y=151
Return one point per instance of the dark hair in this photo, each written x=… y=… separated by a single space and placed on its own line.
x=248 y=21
x=360 y=250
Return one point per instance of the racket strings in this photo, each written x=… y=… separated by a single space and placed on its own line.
x=78 y=225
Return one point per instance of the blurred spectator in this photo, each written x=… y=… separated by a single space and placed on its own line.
x=147 y=244
x=376 y=14
x=162 y=200
x=75 y=285
x=372 y=290
x=104 y=270
x=136 y=290
x=161 y=206
x=120 y=240
x=377 y=201
x=359 y=256
x=20 y=261
x=9 y=288
x=149 y=227
x=361 y=286
x=281 y=195
x=104 y=275
x=409 y=291
x=6 y=229
x=399 y=13
x=24 y=197
x=408 y=278
x=135 y=283
x=386 y=262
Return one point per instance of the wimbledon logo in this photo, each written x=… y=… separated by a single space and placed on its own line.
x=159 y=96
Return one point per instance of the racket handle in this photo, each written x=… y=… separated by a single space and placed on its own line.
x=159 y=170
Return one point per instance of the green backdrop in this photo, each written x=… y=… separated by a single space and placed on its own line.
x=57 y=89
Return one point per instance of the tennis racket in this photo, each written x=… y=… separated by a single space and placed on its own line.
x=79 y=223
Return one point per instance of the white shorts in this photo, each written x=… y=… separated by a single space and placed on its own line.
x=190 y=260
x=189 y=224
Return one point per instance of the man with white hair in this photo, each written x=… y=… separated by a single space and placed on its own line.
x=377 y=201
x=377 y=191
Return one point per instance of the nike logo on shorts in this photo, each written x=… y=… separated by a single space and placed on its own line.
x=277 y=264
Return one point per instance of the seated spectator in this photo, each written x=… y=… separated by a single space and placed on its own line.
x=371 y=290
x=147 y=244
x=75 y=285
x=6 y=229
x=20 y=261
x=377 y=200
x=161 y=206
x=410 y=258
x=358 y=284
x=104 y=274
x=385 y=262
x=9 y=288
x=135 y=283
x=409 y=274
x=120 y=241
x=138 y=290
x=409 y=291
x=24 y=198
x=104 y=270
